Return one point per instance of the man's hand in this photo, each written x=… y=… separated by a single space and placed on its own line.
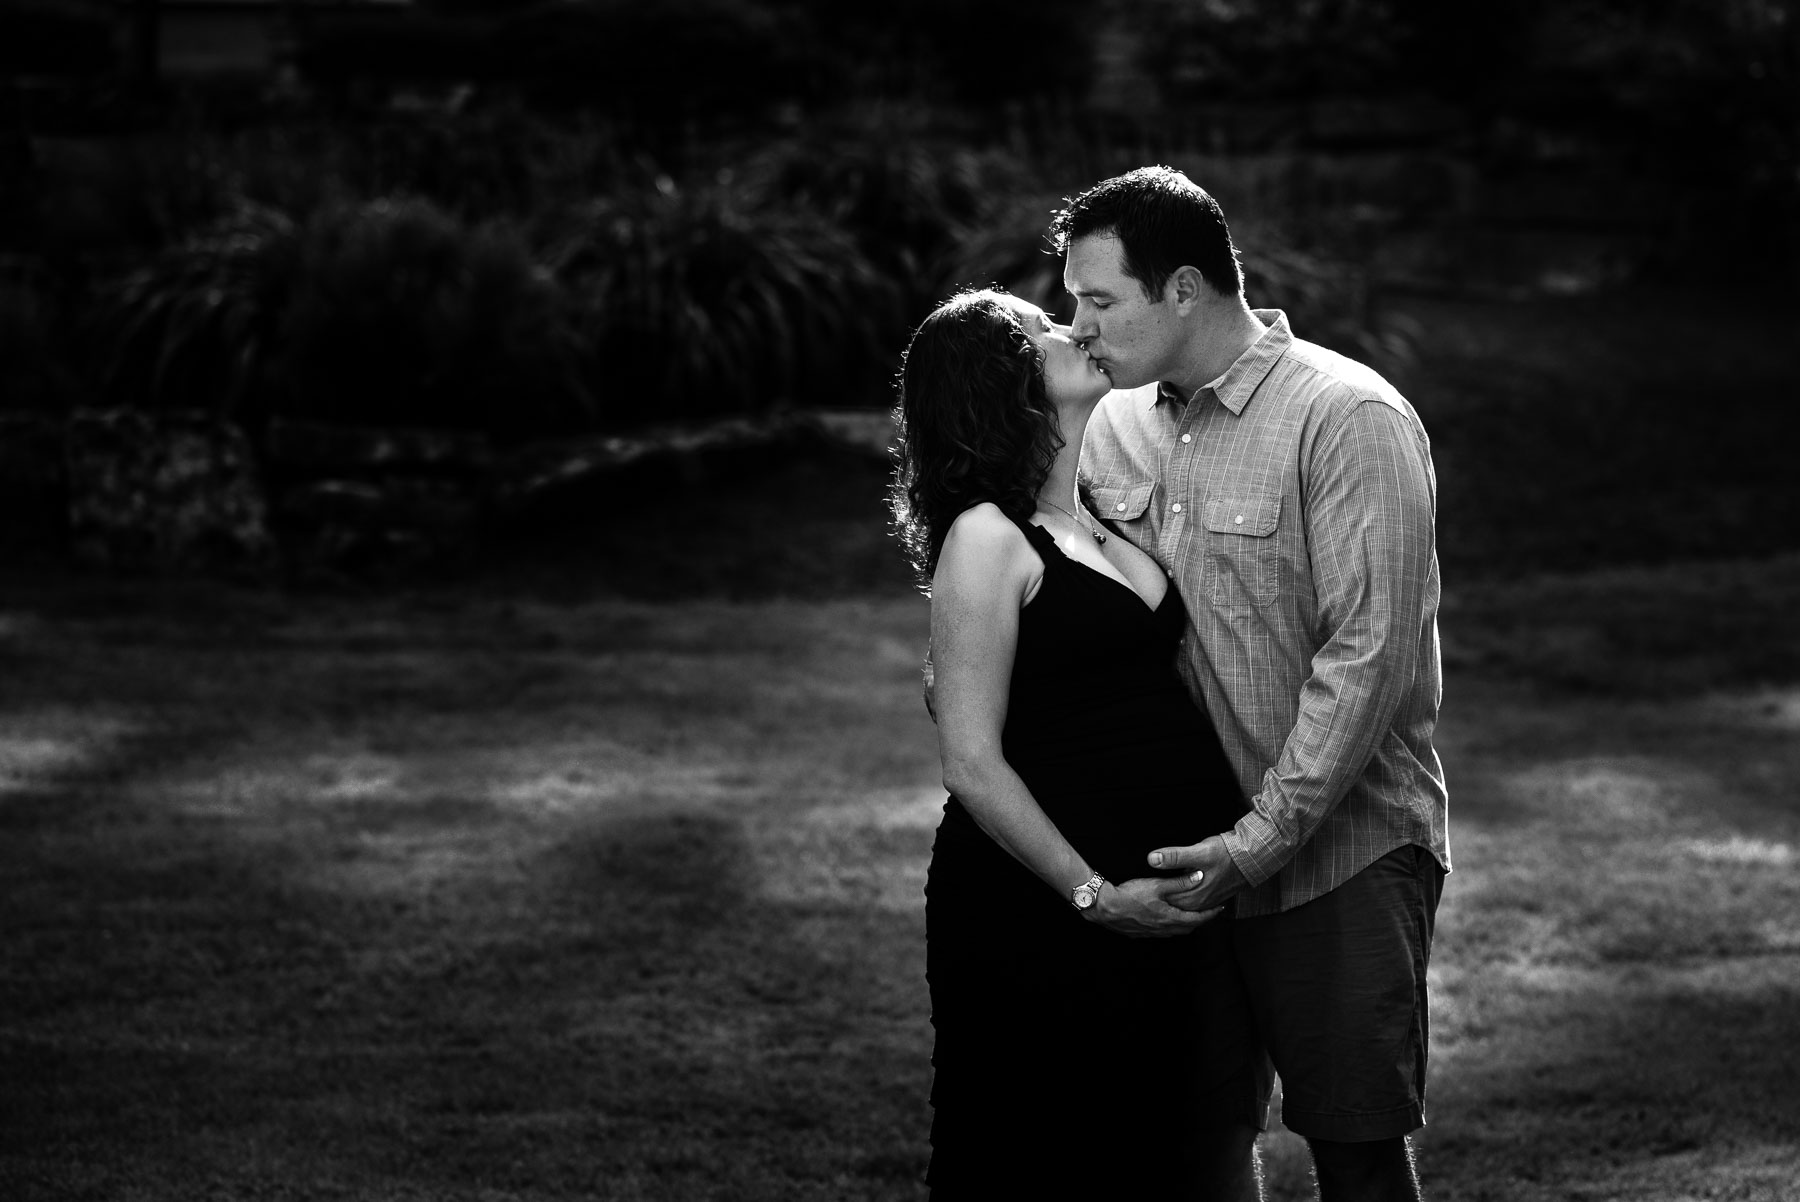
x=1211 y=878
x=1139 y=908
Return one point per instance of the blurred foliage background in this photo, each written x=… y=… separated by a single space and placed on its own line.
x=1570 y=231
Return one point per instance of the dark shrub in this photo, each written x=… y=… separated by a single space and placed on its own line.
x=165 y=491
x=338 y=48
x=485 y=160
x=699 y=304
x=194 y=328
x=1275 y=48
x=950 y=50
x=36 y=392
x=1328 y=299
x=38 y=37
x=474 y=160
x=402 y=316
x=34 y=377
x=1009 y=247
x=906 y=199
x=672 y=60
x=656 y=64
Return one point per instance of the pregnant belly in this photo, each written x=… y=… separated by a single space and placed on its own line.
x=1115 y=826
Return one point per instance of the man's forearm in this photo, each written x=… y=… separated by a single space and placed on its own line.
x=1341 y=723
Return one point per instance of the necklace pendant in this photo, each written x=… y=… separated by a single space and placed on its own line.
x=1093 y=530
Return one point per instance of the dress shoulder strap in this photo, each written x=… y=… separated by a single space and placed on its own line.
x=1041 y=540
x=1034 y=534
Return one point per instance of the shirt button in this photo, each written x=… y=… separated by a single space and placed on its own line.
x=1187 y=438
x=1120 y=507
x=1177 y=507
x=1239 y=519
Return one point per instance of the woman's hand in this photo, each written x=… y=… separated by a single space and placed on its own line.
x=1140 y=908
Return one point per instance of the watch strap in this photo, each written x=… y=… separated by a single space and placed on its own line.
x=1087 y=894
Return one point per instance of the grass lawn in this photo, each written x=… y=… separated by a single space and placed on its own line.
x=473 y=895
x=558 y=882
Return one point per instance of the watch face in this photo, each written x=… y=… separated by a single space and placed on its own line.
x=1084 y=897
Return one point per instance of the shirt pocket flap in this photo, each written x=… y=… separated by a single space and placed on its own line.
x=1254 y=517
x=1121 y=503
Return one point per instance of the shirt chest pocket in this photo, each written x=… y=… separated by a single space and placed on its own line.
x=1121 y=503
x=1243 y=548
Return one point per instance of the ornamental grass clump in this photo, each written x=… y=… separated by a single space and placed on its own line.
x=194 y=328
x=906 y=201
x=700 y=304
x=1011 y=247
x=403 y=316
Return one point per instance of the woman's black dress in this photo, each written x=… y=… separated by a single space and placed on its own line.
x=1070 y=1057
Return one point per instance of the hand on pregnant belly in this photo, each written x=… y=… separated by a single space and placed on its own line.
x=1140 y=909
x=1209 y=879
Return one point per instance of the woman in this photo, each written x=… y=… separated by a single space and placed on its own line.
x=1069 y=1055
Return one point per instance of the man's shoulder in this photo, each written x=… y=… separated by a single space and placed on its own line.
x=1332 y=384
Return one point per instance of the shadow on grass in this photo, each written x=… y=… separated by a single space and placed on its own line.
x=1670 y=1077
x=445 y=905
x=624 y=1020
x=1616 y=1007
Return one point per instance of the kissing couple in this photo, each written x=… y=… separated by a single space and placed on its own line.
x=1184 y=666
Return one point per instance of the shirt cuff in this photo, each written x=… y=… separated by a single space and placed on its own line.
x=1256 y=849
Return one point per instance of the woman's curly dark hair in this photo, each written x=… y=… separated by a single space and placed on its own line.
x=975 y=422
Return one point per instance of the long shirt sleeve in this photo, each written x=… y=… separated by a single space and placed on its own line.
x=1369 y=518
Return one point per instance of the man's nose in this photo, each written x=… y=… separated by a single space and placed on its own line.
x=1082 y=329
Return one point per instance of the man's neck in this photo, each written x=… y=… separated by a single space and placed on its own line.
x=1224 y=333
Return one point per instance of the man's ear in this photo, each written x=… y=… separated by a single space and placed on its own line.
x=1185 y=287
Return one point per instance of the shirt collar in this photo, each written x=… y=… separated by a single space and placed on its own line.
x=1241 y=380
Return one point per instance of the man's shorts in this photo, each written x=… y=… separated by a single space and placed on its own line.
x=1337 y=985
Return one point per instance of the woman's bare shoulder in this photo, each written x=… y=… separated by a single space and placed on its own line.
x=984 y=546
x=984 y=522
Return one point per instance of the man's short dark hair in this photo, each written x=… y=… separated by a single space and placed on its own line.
x=1164 y=220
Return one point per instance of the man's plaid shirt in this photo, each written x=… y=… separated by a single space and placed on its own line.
x=1293 y=503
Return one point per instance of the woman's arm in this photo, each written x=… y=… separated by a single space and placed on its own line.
x=985 y=574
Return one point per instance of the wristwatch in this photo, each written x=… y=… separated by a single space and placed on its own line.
x=1084 y=895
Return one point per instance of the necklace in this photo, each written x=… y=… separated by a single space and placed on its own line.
x=1098 y=537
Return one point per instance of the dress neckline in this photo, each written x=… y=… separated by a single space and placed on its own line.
x=1106 y=576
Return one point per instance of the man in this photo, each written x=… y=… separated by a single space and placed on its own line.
x=1289 y=493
